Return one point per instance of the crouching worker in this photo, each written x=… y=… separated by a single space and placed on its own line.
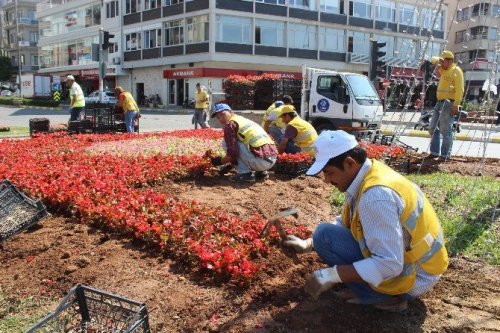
x=248 y=147
x=299 y=134
x=387 y=246
x=126 y=102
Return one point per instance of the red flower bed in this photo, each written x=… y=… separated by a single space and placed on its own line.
x=116 y=191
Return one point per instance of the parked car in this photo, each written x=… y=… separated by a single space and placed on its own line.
x=6 y=93
x=109 y=97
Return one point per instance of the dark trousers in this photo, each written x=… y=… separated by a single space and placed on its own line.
x=75 y=113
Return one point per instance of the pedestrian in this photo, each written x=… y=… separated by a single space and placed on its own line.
x=201 y=107
x=77 y=99
x=269 y=109
x=449 y=95
x=247 y=146
x=274 y=125
x=299 y=134
x=387 y=246
x=131 y=112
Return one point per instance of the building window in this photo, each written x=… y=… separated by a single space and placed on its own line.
x=113 y=48
x=459 y=37
x=330 y=6
x=479 y=33
x=493 y=34
x=152 y=38
x=232 y=29
x=360 y=8
x=272 y=2
x=433 y=49
x=270 y=33
x=386 y=11
x=112 y=9
x=358 y=42
x=33 y=37
x=496 y=11
x=197 y=29
x=306 y=4
x=407 y=15
x=174 y=33
x=22 y=59
x=151 y=4
x=132 y=6
x=133 y=41
x=34 y=60
x=172 y=2
x=332 y=40
x=406 y=49
x=301 y=36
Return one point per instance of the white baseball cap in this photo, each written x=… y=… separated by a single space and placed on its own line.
x=330 y=144
x=70 y=77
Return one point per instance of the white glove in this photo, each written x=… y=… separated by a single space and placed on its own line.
x=299 y=245
x=322 y=280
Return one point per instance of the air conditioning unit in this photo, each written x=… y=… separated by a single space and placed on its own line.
x=117 y=60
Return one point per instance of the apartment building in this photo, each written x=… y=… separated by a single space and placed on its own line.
x=20 y=34
x=165 y=47
x=68 y=28
x=475 y=40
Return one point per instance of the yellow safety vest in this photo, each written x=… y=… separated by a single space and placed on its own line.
x=198 y=96
x=129 y=103
x=451 y=84
x=278 y=122
x=266 y=114
x=418 y=219
x=77 y=91
x=305 y=136
x=251 y=133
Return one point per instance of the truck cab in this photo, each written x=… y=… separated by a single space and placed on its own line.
x=333 y=100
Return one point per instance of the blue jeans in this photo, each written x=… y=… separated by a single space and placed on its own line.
x=129 y=121
x=277 y=135
x=248 y=162
x=336 y=246
x=75 y=113
x=441 y=124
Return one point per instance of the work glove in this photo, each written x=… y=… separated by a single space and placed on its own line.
x=299 y=245
x=216 y=161
x=322 y=280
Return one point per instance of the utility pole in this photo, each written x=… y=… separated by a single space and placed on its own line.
x=18 y=52
x=102 y=65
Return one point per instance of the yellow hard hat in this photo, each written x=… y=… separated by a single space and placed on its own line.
x=287 y=109
x=447 y=55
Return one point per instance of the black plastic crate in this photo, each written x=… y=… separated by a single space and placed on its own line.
x=17 y=211
x=39 y=125
x=88 y=310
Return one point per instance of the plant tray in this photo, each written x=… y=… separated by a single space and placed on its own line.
x=88 y=310
x=17 y=211
x=291 y=169
x=39 y=125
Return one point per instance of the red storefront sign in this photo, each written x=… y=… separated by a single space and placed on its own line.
x=186 y=73
x=405 y=73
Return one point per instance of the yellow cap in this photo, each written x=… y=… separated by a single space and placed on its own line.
x=287 y=109
x=447 y=55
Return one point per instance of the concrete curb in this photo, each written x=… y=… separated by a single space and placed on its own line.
x=495 y=138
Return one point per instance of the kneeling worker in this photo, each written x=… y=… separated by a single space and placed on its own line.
x=387 y=246
x=299 y=134
x=247 y=145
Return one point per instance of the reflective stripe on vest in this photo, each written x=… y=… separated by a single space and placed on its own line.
x=251 y=133
x=306 y=134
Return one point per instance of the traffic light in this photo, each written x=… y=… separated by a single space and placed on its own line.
x=377 y=66
x=106 y=36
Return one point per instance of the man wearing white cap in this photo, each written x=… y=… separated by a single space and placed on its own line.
x=387 y=246
x=77 y=100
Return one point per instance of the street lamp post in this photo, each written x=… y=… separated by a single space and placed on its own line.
x=18 y=52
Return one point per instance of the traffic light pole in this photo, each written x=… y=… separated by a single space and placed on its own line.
x=101 y=63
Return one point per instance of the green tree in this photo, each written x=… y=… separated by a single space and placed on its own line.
x=5 y=69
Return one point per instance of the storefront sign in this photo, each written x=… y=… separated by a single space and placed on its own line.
x=407 y=73
x=221 y=73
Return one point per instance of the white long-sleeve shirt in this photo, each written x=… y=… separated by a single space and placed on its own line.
x=380 y=210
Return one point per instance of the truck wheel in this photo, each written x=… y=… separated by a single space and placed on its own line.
x=324 y=127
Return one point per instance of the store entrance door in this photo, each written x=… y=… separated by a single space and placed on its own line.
x=180 y=92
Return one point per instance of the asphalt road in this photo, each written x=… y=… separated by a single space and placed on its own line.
x=155 y=121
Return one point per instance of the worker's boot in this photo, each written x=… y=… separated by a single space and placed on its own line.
x=261 y=174
x=225 y=169
x=243 y=177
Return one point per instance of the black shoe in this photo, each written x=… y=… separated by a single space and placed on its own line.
x=243 y=177
x=261 y=175
x=225 y=169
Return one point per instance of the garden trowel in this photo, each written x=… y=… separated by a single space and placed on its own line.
x=275 y=221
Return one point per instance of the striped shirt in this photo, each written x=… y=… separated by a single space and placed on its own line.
x=380 y=210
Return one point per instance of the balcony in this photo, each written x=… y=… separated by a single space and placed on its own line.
x=27 y=21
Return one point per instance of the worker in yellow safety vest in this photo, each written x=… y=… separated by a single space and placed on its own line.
x=387 y=246
x=248 y=147
x=269 y=110
x=77 y=100
x=299 y=134
x=274 y=125
x=131 y=111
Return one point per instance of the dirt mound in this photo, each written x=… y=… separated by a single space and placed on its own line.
x=60 y=253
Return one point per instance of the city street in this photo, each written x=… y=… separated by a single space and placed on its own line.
x=158 y=121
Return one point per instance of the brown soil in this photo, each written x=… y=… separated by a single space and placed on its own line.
x=60 y=253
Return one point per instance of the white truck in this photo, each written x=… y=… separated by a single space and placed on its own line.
x=337 y=100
